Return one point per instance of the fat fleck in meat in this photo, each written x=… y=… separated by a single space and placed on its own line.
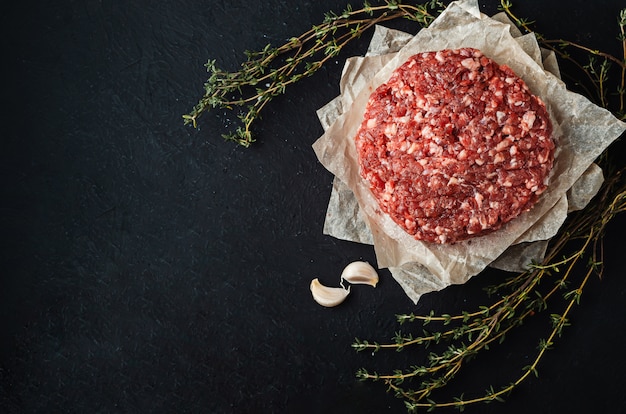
x=454 y=145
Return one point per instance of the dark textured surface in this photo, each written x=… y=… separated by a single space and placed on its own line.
x=150 y=267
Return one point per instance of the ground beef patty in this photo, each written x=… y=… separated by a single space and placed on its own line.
x=454 y=145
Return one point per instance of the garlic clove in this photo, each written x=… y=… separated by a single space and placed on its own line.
x=328 y=296
x=360 y=273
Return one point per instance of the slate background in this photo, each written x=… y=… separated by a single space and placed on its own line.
x=150 y=267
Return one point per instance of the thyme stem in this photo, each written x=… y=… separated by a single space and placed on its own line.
x=267 y=74
x=493 y=328
x=597 y=76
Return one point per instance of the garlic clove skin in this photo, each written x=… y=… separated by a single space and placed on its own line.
x=360 y=273
x=328 y=296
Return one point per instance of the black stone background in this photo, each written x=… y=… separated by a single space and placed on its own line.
x=148 y=267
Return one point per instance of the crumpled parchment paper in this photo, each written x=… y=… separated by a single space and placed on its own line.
x=582 y=131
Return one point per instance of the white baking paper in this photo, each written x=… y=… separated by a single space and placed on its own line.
x=583 y=131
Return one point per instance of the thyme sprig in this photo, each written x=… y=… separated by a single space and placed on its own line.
x=596 y=69
x=267 y=73
x=469 y=333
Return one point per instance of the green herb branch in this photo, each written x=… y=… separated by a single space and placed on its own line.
x=469 y=333
x=596 y=70
x=267 y=73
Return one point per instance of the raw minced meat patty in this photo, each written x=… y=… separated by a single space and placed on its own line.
x=454 y=145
